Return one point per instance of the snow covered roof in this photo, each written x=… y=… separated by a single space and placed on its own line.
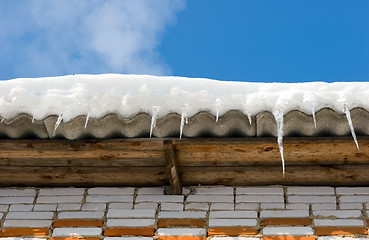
x=140 y=105
x=115 y=106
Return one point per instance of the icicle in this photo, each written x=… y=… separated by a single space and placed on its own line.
x=33 y=119
x=348 y=116
x=155 y=110
x=313 y=113
x=278 y=115
x=217 y=105
x=181 y=127
x=60 y=119
x=184 y=119
x=249 y=117
x=87 y=117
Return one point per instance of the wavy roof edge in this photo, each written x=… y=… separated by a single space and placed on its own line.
x=232 y=124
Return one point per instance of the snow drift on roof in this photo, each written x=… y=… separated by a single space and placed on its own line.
x=126 y=95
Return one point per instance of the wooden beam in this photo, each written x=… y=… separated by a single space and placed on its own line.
x=153 y=162
x=170 y=157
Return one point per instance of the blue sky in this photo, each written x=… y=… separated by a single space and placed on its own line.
x=243 y=40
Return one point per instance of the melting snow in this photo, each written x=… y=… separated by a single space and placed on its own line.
x=126 y=95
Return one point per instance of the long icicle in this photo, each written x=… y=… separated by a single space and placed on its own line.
x=348 y=116
x=313 y=113
x=184 y=119
x=182 y=125
x=278 y=115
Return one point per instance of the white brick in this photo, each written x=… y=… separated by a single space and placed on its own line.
x=247 y=206
x=146 y=205
x=109 y=198
x=171 y=207
x=226 y=222
x=312 y=199
x=120 y=206
x=11 y=192
x=260 y=190
x=260 y=198
x=323 y=206
x=45 y=207
x=338 y=213
x=272 y=206
x=111 y=191
x=214 y=190
x=222 y=206
x=197 y=206
x=27 y=223
x=356 y=198
x=80 y=215
x=130 y=222
x=131 y=213
x=151 y=191
x=181 y=232
x=352 y=190
x=20 y=208
x=233 y=214
x=210 y=198
x=30 y=215
x=351 y=206
x=4 y=208
x=338 y=222
x=59 y=199
x=297 y=206
x=75 y=232
x=160 y=198
x=183 y=214
x=295 y=231
x=61 y=191
x=15 y=200
x=284 y=214
x=69 y=206
x=94 y=207
x=310 y=190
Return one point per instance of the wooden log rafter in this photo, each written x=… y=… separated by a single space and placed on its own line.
x=158 y=162
x=172 y=169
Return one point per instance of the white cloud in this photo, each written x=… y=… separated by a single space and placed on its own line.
x=52 y=37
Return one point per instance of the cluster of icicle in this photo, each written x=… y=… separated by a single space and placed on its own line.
x=127 y=95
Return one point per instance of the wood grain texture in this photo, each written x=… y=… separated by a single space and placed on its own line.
x=172 y=169
x=143 y=162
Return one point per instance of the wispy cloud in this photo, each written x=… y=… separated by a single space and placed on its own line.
x=52 y=37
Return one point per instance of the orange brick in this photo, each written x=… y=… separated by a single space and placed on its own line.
x=77 y=223
x=180 y=238
x=69 y=238
x=140 y=231
x=232 y=231
x=18 y=232
x=288 y=238
x=163 y=223
x=286 y=221
x=322 y=231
